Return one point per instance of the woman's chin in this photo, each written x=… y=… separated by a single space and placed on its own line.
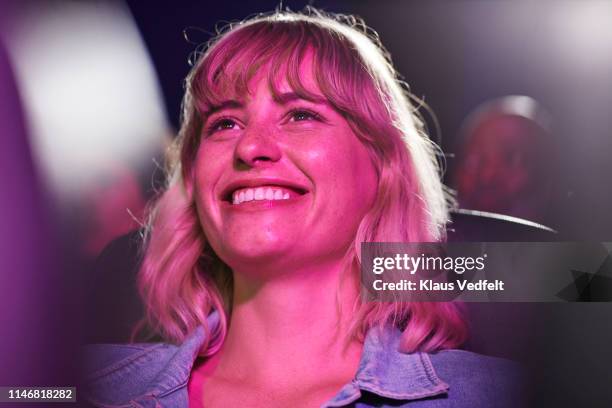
x=260 y=255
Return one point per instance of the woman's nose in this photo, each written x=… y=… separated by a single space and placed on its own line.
x=257 y=147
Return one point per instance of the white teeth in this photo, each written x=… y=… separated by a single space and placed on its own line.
x=260 y=193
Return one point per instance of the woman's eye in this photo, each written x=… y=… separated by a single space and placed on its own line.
x=302 y=115
x=225 y=124
x=221 y=124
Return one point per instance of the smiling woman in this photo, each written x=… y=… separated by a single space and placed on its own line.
x=298 y=143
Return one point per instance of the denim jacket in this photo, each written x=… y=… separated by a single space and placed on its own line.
x=156 y=375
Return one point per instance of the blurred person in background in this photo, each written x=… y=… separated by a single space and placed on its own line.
x=505 y=160
x=111 y=206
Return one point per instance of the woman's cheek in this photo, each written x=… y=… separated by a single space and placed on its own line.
x=213 y=158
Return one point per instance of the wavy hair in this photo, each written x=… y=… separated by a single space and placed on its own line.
x=182 y=280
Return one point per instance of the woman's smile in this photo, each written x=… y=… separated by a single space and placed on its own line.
x=268 y=193
x=261 y=190
x=263 y=197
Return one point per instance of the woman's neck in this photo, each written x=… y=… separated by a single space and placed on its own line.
x=291 y=328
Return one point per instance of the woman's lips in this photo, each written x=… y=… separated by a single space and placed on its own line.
x=242 y=191
x=263 y=193
x=263 y=197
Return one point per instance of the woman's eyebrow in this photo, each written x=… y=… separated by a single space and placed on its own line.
x=228 y=104
x=287 y=97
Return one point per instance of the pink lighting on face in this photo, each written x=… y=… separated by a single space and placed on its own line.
x=305 y=181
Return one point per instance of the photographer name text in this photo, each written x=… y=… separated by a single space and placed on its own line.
x=432 y=286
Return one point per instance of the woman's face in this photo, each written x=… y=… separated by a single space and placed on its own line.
x=281 y=182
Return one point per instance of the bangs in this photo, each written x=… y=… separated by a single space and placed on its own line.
x=231 y=64
x=279 y=48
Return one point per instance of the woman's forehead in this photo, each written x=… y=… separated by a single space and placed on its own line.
x=283 y=81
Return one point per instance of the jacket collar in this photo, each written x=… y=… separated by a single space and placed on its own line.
x=389 y=373
x=383 y=369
